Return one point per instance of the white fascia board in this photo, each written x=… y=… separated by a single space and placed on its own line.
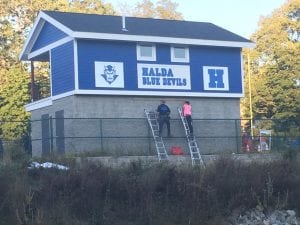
x=35 y=30
x=49 y=47
x=157 y=93
x=63 y=95
x=57 y=24
x=38 y=24
x=38 y=104
x=46 y=101
x=155 y=39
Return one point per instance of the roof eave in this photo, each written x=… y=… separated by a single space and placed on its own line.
x=35 y=31
x=157 y=39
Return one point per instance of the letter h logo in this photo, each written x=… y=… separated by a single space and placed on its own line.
x=215 y=78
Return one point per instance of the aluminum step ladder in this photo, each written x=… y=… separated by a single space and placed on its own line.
x=194 y=150
x=159 y=144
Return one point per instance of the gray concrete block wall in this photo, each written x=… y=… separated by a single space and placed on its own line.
x=88 y=131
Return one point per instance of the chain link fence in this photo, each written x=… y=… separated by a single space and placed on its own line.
x=132 y=136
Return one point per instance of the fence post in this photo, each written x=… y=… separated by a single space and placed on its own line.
x=51 y=134
x=237 y=136
x=101 y=134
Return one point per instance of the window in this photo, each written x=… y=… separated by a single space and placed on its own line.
x=146 y=52
x=180 y=54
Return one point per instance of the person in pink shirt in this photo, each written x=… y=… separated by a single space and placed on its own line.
x=187 y=113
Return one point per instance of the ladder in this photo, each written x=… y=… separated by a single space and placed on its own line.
x=194 y=150
x=159 y=144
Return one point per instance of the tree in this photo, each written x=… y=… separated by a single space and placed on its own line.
x=164 y=9
x=275 y=66
x=16 y=20
x=14 y=95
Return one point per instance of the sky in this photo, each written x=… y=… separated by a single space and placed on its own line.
x=238 y=16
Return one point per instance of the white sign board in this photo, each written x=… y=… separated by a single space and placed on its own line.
x=160 y=76
x=109 y=74
x=215 y=78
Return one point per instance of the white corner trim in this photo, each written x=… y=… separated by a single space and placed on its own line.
x=76 y=77
x=49 y=47
x=38 y=104
x=242 y=72
x=155 y=39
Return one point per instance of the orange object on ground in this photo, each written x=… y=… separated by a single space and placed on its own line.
x=176 y=150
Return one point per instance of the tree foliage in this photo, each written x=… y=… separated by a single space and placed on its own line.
x=275 y=66
x=164 y=9
x=14 y=95
x=16 y=20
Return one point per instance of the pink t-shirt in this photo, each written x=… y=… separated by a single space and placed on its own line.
x=187 y=110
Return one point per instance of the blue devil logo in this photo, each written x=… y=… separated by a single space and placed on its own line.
x=109 y=74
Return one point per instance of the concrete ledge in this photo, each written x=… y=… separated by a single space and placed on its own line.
x=121 y=161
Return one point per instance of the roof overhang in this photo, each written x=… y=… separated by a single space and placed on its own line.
x=35 y=31
x=43 y=17
x=155 y=39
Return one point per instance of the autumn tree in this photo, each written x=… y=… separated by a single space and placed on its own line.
x=275 y=67
x=16 y=20
x=163 y=9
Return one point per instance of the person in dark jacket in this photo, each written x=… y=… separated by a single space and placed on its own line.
x=163 y=117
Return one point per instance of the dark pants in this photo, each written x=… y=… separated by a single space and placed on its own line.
x=162 y=120
x=189 y=122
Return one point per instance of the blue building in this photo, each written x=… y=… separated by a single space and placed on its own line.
x=113 y=67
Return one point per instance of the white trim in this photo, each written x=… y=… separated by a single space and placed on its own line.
x=63 y=95
x=29 y=40
x=38 y=104
x=76 y=77
x=145 y=58
x=49 y=47
x=38 y=24
x=46 y=101
x=57 y=24
x=35 y=36
x=156 y=39
x=49 y=101
x=242 y=73
x=186 y=54
x=122 y=37
x=50 y=68
x=157 y=93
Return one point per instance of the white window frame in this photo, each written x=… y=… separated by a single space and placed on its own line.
x=186 y=59
x=146 y=58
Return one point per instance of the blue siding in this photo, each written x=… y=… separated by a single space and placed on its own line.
x=48 y=35
x=91 y=51
x=216 y=56
x=62 y=68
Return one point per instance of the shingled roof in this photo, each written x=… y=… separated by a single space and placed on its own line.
x=94 y=26
x=80 y=22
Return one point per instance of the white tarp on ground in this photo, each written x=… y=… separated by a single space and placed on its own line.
x=47 y=165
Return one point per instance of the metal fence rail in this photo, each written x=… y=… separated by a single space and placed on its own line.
x=131 y=136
